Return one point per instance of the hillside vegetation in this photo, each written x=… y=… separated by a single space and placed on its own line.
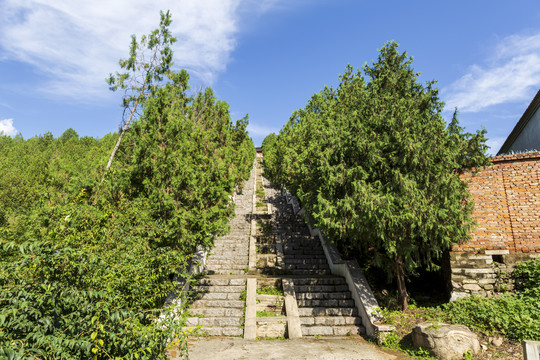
x=87 y=255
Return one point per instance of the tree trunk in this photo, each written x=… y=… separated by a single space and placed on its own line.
x=126 y=125
x=403 y=297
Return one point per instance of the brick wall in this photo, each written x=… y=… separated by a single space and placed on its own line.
x=507 y=205
x=507 y=212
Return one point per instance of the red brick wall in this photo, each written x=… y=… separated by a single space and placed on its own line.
x=507 y=205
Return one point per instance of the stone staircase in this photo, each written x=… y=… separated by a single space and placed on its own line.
x=219 y=298
x=286 y=254
x=325 y=307
x=218 y=308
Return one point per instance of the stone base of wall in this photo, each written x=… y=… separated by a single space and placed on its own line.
x=484 y=273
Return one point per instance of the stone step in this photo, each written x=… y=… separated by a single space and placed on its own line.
x=327 y=311
x=214 y=321
x=304 y=253
x=213 y=289
x=331 y=320
x=309 y=272
x=202 y=303
x=223 y=267
x=310 y=261
x=320 y=288
x=225 y=272
x=310 y=256
x=219 y=296
x=211 y=281
x=329 y=280
x=217 y=331
x=326 y=303
x=271 y=327
x=345 y=295
x=321 y=330
x=216 y=312
x=225 y=256
x=240 y=262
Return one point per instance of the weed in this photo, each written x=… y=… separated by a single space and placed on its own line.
x=269 y=290
x=266 y=313
x=273 y=338
x=243 y=295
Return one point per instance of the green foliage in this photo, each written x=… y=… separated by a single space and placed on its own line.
x=85 y=264
x=527 y=274
x=517 y=316
x=266 y=313
x=270 y=290
x=375 y=166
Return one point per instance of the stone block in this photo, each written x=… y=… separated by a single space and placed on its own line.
x=233 y=312
x=317 y=330
x=472 y=287
x=531 y=350
x=445 y=341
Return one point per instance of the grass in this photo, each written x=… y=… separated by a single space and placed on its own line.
x=273 y=338
x=266 y=313
x=269 y=290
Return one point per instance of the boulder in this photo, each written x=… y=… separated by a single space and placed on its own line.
x=445 y=341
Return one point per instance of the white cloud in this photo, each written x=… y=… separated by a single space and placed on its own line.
x=513 y=75
x=7 y=128
x=495 y=145
x=78 y=43
x=258 y=130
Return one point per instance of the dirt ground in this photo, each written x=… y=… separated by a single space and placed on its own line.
x=342 y=348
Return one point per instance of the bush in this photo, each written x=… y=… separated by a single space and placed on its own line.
x=517 y=316
x=527 y=274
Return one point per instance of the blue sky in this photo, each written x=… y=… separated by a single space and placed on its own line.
x=264 y=57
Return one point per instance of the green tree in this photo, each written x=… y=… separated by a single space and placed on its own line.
x=377 y=168
x=149 y=61
x=67 y=135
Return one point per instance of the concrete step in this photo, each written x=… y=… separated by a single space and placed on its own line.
x=215 y=321
x=225 y=267
x=327 y=311
x=218 y=303
x=218 y=331
x=323 y=295
x=331 y=320
x=326 y=303
x=306 y=261
x=320 y=288
x=321 y=330
x=225 y=272
x=229 y=289
x=329 y=280
x=309 y=272
x=212 y=281
x=216 y=312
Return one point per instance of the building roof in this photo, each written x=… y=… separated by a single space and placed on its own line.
x=525 y=118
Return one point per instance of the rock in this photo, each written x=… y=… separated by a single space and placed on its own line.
x=458 y=295
x=445 y=341
x=496 y=341
x=472 y=287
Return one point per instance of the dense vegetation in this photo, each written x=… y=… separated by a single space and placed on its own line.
x=515 y=315
x=376 y=167
x=87 y=255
